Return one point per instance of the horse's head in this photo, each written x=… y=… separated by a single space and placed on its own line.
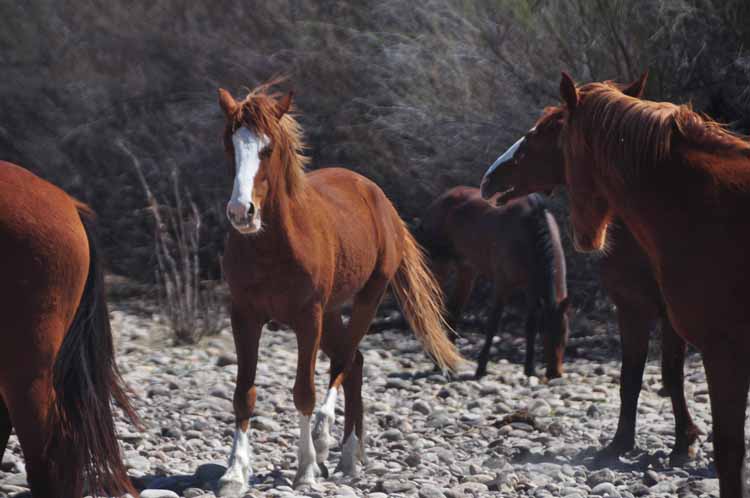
x=251 y=126
x=590 y=212
x=533 y=164
x=556 y=330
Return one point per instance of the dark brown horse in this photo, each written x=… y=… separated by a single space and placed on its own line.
x=518 y=248
x=681 y=184
x=57 y=369
x=537 y=164
x=301 y=247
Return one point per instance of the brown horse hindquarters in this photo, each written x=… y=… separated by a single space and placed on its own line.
x=47 y=283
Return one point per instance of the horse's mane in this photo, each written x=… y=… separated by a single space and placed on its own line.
x=628 y=134
x=258 y=111
x=551 y=115
x=547 y=238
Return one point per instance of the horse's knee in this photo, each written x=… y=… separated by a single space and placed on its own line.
x=244 y=402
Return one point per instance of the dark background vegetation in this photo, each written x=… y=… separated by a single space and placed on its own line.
x=419 y=96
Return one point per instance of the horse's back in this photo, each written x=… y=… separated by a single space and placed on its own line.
x=494 y=240
x=44 y=263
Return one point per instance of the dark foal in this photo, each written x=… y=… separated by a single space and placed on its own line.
x=518 y=248
x=535 y=164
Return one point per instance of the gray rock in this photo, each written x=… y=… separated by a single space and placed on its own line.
x=428 y=491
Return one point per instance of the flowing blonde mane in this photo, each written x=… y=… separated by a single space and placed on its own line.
x=626 y=134
x=258 y=111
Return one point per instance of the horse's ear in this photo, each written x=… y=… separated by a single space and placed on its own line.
x=636 y=88
x=568 y=91
x=285 y=104
x=227 y=103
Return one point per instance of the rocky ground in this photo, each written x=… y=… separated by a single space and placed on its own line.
x=429 y=436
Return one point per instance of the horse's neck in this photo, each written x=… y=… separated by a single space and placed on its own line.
x=284 y=221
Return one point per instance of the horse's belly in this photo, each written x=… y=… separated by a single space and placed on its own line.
x=353 y=270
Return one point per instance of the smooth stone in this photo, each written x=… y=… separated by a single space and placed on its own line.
x=606 y=489
x=158 y=493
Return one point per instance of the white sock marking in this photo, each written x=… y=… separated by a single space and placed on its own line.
x=239 y=467
x=307 y=467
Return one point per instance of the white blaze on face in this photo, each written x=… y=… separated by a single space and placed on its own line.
x=505 y=157
x=247 y=147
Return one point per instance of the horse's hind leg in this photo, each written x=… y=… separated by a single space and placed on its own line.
x=728 y=376
x=246 y=328
x=5 y=428
x=634 y=335
x=334 y=331
x=496 y=312
x=364 y=309
x=29 y=407
x=672 y=368
x=465 y=276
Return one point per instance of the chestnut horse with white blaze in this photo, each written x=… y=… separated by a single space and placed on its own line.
x=536 y=163
x=301 y=247
x=57 y=370
x=681 y=184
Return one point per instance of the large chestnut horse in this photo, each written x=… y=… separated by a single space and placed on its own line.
x=535 y=164
x=302 y=246
x=57 y=369
x=681 y=184
x=518 y=248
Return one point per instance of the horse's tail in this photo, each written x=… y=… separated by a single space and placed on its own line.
x=421 y=301
x=85 y=380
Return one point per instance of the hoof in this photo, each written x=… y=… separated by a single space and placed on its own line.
x=611 y=454
x=230 y=488
x=349 y=469
x=682 y=455
x=306 y=477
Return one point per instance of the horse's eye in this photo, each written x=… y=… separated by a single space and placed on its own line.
x=265 y=152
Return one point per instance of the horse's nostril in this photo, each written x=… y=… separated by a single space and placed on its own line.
x=251 y=210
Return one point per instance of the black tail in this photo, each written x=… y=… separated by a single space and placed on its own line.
x=86 y=380
x=545 y=232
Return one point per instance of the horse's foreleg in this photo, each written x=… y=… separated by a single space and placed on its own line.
x=364 y=309
x=634 y=335
x=673 y=351
x=493 y=321
x=308 y=341
x=728 y=376
x=246 y=328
